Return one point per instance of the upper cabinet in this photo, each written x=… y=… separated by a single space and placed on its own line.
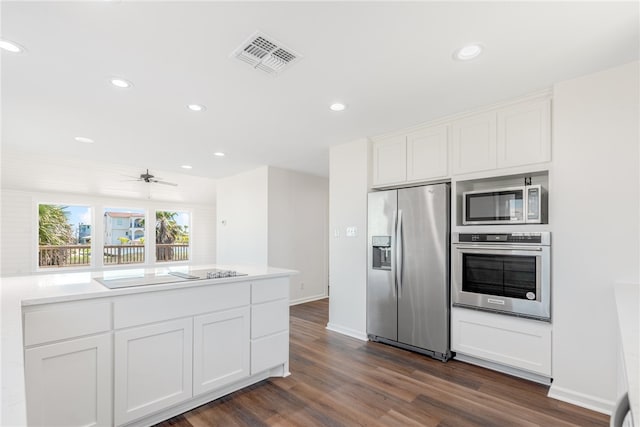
x=390 y=161
x=524 y=134
x=474 y=143
x=428 y=154
x=517 y=135
x=510 y=135
x=418 y=156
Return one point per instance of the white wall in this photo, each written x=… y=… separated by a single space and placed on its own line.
x=242 y=224
x=348 y=186
x=19 y=225
x=298 y=230
x=594 y=211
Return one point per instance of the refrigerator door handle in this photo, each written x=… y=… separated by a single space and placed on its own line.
x=394 y=257
x=399 y=255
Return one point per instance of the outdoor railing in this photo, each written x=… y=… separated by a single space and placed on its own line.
x=172 y=252
x=123 y=254
x=80 y=255
x=64 y=256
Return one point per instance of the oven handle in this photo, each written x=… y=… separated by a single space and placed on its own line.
x=501 y=248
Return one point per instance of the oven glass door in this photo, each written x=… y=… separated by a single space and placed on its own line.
x=512 y=276
x=511 y=279
x=494 y=207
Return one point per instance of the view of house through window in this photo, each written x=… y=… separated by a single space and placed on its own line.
x=124 y=234
x=64 y=235
x=172 y=236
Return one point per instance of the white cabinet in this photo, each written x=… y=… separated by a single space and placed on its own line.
x=520 y=343
x=152 y=368
x=269 y=324
x=428 y=154
x=390 y=161
x=524 y=134
x=474 y=143
x=220 y=349
x=138 y=359
x=422 y=155
x=516 y=135
x=69 y=383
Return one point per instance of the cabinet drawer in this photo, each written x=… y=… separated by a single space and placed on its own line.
x=269 y=290
x=164 y=305
x=269 y=318
x=269 y=352
x=511 y=341
x=55 y=322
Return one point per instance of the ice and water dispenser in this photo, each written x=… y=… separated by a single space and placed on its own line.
x=381 y=252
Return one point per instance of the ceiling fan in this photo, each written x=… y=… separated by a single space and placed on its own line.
x=147 y=177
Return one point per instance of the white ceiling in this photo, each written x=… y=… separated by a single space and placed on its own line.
x=390 y=62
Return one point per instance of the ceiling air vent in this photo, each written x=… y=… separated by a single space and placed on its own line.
x=266 y=54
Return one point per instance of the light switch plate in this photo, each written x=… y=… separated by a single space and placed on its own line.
x=352 y=231
x=336 y=232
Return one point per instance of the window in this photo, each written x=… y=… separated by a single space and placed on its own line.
x=124 y=236
x=172 y=236
x=64 y=235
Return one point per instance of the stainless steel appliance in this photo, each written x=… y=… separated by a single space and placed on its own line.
x=512 y=205
x=503 y=272
x=408 y=274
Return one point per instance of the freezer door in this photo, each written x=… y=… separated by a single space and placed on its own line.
x=423 y=291
x=382 y=307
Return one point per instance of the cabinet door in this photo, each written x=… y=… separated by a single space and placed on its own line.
x=428 y=154
x=152 y=368
x=524 y=134
x=69 y=383
x=221 y=349
x=511 y=341
x=390 y=161
x=474 y=143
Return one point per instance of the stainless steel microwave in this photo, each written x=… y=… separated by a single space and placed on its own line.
x=512 y=205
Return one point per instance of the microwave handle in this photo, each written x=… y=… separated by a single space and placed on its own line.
x=500 y=247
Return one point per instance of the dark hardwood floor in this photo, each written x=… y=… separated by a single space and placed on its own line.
x=341 y=381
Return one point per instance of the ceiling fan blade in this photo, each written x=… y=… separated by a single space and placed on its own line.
x=164 y=182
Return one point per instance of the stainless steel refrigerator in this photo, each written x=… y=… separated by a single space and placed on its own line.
x=408 y=269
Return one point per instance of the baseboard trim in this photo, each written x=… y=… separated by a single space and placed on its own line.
x=347 y=331
x=307 y=299
x=580 y=399
x=520 y=373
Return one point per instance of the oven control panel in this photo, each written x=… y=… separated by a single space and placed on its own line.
x=535 y=238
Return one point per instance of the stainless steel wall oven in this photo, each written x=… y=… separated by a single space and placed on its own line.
x=508 y=273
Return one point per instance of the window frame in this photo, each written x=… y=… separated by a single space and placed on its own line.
x=97 y=210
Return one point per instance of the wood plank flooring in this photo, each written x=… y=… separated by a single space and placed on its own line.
x=341 y=381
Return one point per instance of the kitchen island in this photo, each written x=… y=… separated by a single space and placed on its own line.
x=77 y=353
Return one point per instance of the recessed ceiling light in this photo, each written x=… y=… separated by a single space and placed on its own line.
x=337 y=107
x=186 y=167
x=468 y=52
x=196 y=107
x=10 y=46
x=121 y=83
x=219 y=154
x=84 y=139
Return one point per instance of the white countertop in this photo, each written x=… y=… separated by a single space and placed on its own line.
x=628 y=305
x=61 y=287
